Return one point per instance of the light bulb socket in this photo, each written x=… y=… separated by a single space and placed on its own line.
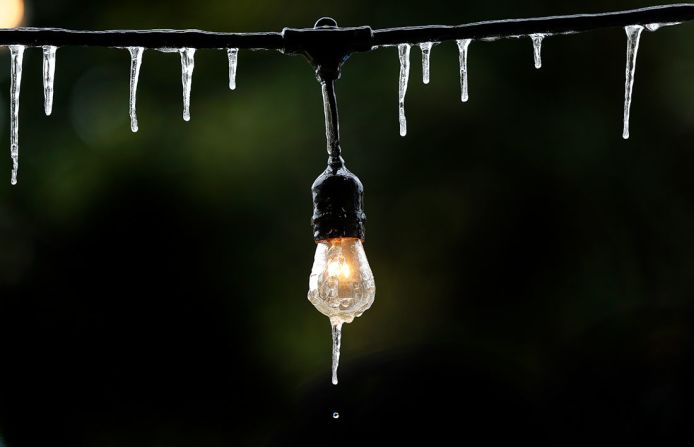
x=338 y=205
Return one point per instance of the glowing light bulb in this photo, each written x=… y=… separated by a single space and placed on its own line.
x=341 y=285
x=12 y=13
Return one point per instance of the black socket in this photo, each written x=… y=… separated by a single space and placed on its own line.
x=338 y=205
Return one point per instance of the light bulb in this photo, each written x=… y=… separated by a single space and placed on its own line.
x=341 y=285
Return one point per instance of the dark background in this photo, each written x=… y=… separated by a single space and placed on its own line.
x=534 y=270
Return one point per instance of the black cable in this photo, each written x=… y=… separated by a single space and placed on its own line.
x=351 y=39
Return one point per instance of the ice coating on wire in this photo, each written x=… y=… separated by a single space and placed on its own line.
x=404 y=54
x=463 y=45
x=657 y=26
x=48 y=77
x=187 y=66
x=135 y=63
x=633 y=37
x=16 y=59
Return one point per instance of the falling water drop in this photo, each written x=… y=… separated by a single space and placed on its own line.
x=404 y=53
x=426 y=57
x=336 y=415
x=48 y=77
x=16 y=57
x=135 y=63
x=337 y=336
x=233 y=54
x=463 y=45
x=633 y=37
x=537 y=48
x=187 y=66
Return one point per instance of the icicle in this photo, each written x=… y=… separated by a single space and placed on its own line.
x=135 y=63
x=633 y=37
x=404 y=53
x=537 y=48
x=337 y=336
x=462 y=53
x=48 y=77
x=17 y=57
x=233 y=54
x=187 y=66
x=426 y=56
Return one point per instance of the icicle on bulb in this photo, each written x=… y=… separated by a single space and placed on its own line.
x=341 y=285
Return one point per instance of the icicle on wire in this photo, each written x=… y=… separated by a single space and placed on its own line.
x=233 y=54
x=404 y=54
x=633 y=37
x=16 y=58
x=48 y=77
x=537 y=49
x=337 y=336
x=463 y=45
x=187 y=66
x=425 y=47
x=135 y=63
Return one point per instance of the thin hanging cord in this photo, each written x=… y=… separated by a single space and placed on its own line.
x=332 y=124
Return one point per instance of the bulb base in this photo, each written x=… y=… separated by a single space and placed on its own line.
x=338 y=205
